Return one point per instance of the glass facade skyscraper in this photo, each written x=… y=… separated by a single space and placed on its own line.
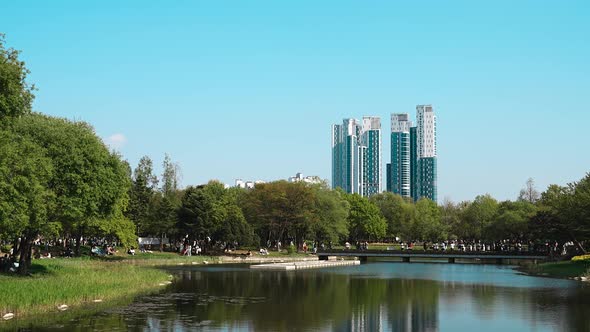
x=426 y=179
x=399 y=177
x=346 y=155
x=414 y=164
x=356 y=156
x=413 y=169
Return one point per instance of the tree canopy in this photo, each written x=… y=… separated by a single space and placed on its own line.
x=16 y=95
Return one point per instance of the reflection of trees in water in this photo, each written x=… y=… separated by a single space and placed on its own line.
x=307 y=301
x=282 y=301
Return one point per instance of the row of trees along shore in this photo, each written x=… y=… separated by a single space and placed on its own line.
x=58 y=180
x=285 y=212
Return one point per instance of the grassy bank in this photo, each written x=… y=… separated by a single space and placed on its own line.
x=73 y=282
x=565 y=269
x=79 y=281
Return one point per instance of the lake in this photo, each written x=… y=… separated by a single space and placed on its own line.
x=376 y=296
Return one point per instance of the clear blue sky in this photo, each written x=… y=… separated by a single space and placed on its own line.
x=249 y=89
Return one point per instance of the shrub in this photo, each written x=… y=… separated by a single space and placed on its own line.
x=581 y=258
x=291 y=249
x=5 y=248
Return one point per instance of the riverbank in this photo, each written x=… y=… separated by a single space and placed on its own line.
x=57 y=283
x=86 y=281
x=564 y=270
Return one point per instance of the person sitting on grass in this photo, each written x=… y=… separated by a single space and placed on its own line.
x=110 y=250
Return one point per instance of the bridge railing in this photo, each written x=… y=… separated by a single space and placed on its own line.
x=431 y=252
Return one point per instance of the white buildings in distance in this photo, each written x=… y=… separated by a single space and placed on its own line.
x=297 y=178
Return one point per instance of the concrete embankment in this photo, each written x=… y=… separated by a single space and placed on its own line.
x=266 y=259
x=291 y=266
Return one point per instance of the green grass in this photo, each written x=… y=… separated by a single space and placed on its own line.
x=566 y=269
x=74 y=282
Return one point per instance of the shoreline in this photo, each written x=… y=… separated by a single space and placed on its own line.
x=93 y=283
x=568 y=270
x=60 y=285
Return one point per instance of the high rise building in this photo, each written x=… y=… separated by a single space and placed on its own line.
x=414 y=192
x=356 y=156
x=346 y=155
x=426 y=168
x=413 y=169
x=399 y=170
x=371 y=163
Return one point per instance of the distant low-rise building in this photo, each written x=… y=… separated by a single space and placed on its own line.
x=247 y=184
x=307 y=179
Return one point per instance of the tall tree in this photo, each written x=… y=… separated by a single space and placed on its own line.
x=512 y=220
x=170 y=178
x=25 y=200
x=427 y=223
x=479 y=215
x=164 y=216
x=141 y=195
x=331 y=212
x=548 y=223
x=529 y=193
x=581 y=205
x=281 y=210
x=365 y=219
x=397 y=211
x=16 y=95
x=212 y=211
x=451 y=218
x=91 y=185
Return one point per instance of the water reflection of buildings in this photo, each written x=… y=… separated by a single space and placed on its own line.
x=414 y=315
x=365 y=318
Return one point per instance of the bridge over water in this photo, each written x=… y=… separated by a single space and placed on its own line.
x=497 y=257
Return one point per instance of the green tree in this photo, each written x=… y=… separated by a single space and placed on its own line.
x=427 y=222
x=512 y=220
x=548 y=224
x=478 y=216
x=397 y=211
x=577 y=212
x=365 y=219
x=331 y=211
x=16 y=95
x=451 y=218
x=25 y=200
x=235 y=228
x=567 y=210
x=141 y=195
x=281 y=210
x=164 y=217
x=91 y=185
x=212 y=211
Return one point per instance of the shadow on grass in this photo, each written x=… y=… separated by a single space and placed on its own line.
x=34 y=270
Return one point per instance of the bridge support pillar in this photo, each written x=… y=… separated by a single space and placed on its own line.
x=452 y=260
x=406 y=259
x=363 y=259
x=499 y=261
x=323 y=258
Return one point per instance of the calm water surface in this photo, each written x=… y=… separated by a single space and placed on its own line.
x=379 y=296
